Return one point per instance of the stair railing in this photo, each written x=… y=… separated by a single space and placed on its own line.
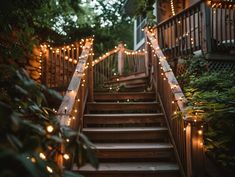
x=185 y=131
x=80 y=90
x=117 y=62
x=58 y=63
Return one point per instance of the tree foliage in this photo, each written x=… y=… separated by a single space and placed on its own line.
x=27 y=147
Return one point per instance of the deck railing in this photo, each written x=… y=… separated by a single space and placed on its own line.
x=185 y=131
x=117 y=62
x=206 y=25
x=58 y=64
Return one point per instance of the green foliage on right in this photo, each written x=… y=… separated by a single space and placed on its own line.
x=211 y=98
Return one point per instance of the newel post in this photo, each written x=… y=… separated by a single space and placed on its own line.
x=90 y=79
x=194 y=149
x=121 y=58
x=206 y=40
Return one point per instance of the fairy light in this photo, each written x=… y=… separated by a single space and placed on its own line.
x=172 y=8
x=49 y=169
x=66 y=156
x=50 y=128
x=33 y=160
x=42 y=156
x=200 y=132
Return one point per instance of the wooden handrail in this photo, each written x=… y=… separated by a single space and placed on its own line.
x=184 y=130
x=105 y=56
x=70 y=112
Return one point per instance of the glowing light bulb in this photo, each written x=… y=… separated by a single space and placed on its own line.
x=49 y=169
x=66 y=156
x=200 y=132
x=50 y=128
x=42 y=156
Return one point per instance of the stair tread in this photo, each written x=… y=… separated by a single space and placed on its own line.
x=126 y=103
x=123 y=93
x=132 y=166
x=132 y=146
x=125 y=129
x=125 y=115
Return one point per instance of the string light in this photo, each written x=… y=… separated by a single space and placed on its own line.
x=33 y=160
x=200 y=132
x=50 y=128
x=66 y=156
x=49 y=169
x=172 y=8
x=42 y=156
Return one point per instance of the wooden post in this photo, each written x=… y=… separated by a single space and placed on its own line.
x=121 y=58
x=197 y=151
x=206 y=28
x=188 y=150
x=90 y=79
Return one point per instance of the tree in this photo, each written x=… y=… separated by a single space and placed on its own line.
x=30 y=133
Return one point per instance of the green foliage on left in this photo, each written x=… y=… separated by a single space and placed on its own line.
x=27 y=148
x=24 y=137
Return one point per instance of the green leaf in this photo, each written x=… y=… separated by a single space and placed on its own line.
x=14 y=141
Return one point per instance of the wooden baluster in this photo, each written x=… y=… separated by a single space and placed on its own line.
x=55 y=68
x=46 y=66
x=73 y=58
x=59 y=74
x=171 y=38
x=182 y=36
x=90 y=79
x=221 y=26
x=63 y=68
x=190 y=31
x=199 y=27
x=194 y=28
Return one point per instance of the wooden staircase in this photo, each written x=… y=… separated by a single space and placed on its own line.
x=129 y=132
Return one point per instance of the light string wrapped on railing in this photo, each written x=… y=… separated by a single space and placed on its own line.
x=168 y=75
x=67 y=109
x=134 y=52
x=221 y=4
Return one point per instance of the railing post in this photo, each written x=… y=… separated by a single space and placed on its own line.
x=147 y=56
x=121 y=58
x=90 y=79
x=206 y=28
x=198 y=166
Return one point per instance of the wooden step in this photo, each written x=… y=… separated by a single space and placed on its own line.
x=123 y=78
x=120 y=96
x=96 y=120
x=142 y=134
x=123 y=107
x=130 y=169
x=132 y=86
x=136 y=151
x=137 y=80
